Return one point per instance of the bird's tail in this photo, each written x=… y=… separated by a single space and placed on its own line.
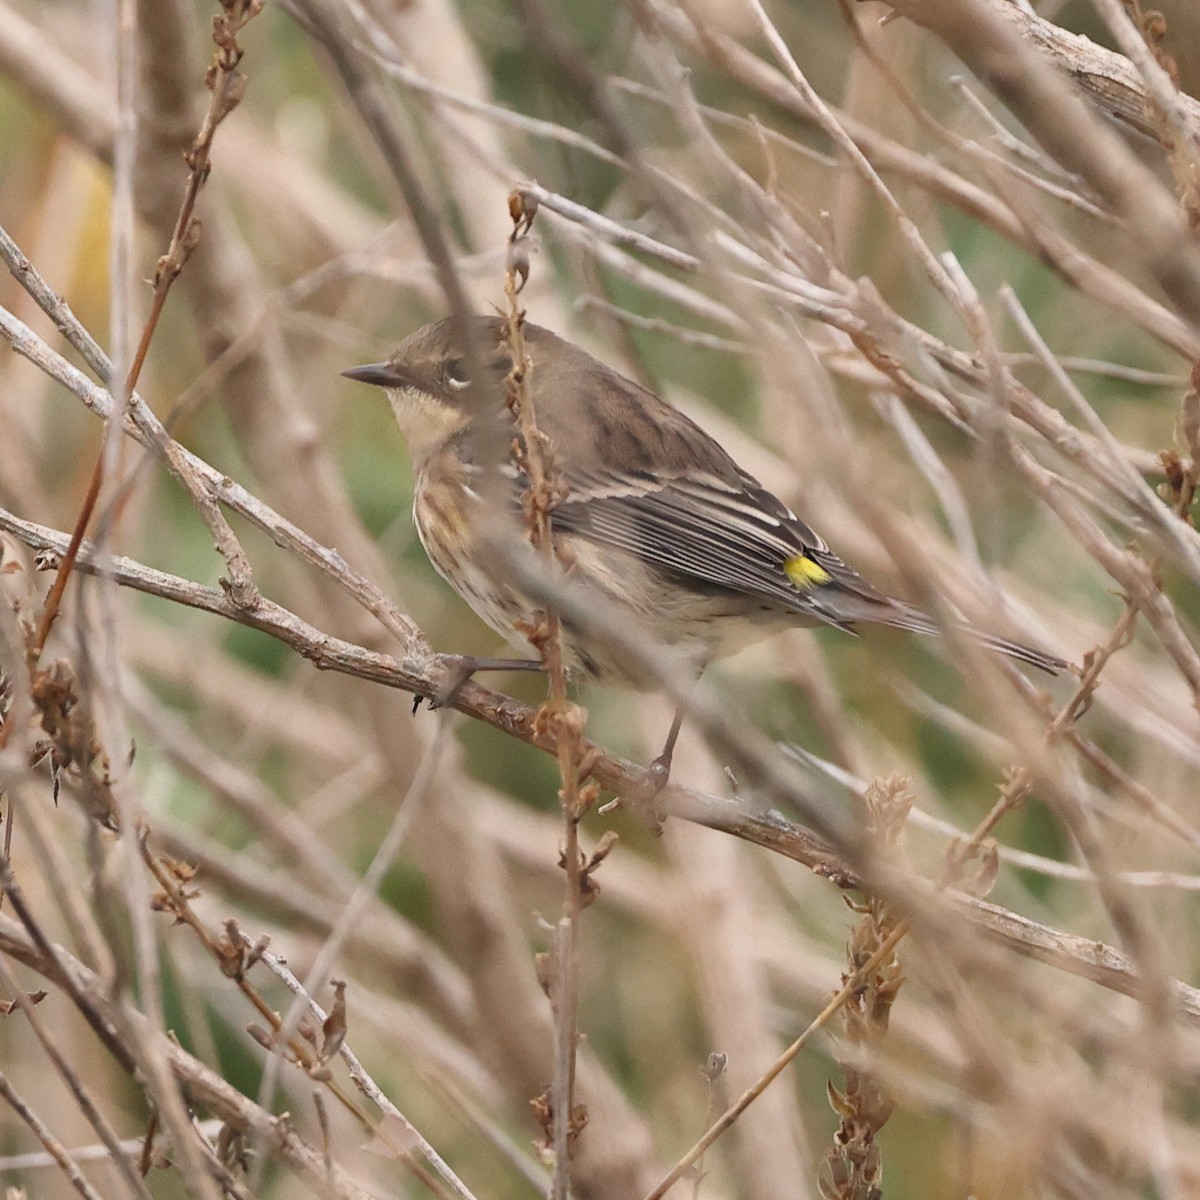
x=1050 y=663
x=852 y=608
x=918 y=622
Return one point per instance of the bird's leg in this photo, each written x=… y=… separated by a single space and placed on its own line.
x=660 y=768
x=639 y=793
x=460 y=668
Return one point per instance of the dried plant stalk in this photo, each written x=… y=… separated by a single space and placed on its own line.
x=853 y=1166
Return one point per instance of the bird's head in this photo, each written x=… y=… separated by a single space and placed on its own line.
x=429 y=384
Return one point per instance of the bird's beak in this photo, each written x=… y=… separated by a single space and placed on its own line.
x=382 y=374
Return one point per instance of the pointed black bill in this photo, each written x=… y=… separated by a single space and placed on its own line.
x=381 y=374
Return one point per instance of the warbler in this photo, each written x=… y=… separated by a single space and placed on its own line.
x=656 y=516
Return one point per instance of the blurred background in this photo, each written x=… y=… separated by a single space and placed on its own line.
x=805 y=319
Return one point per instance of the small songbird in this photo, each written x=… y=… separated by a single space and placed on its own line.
x=657 y=517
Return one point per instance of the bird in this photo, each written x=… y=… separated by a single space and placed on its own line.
x=656 y=516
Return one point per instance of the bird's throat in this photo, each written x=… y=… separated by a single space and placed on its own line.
x=425 y=421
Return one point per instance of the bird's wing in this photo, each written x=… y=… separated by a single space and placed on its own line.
x=722 y=534
x=645 y=478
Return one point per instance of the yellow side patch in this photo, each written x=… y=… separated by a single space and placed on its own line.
x=805 y=573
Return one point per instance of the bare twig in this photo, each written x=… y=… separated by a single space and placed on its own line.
x=564 y=721
x=853 y=1166
x=119 y=1157
x=227 y=85
x=206 y=480
x=767 y=829
x=979 y=32
x=42 y=1131
x=204 y=1085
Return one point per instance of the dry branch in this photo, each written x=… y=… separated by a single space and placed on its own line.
x=1075 y=955
x=811 y=239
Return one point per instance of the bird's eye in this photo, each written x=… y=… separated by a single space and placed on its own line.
x=456 y=376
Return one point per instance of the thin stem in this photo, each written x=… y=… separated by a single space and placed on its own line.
x=545 y=490
x=226 y=84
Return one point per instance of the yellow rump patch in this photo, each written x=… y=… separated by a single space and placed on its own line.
x=805 y=573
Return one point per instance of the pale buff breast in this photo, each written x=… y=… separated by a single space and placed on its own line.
x=452 y=517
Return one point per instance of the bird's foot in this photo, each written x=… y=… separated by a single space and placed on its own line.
x=641 y=791
x=658 y=773
x=458 y=670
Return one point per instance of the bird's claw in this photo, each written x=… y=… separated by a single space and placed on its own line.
x=458 y=671
x=642 y=791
